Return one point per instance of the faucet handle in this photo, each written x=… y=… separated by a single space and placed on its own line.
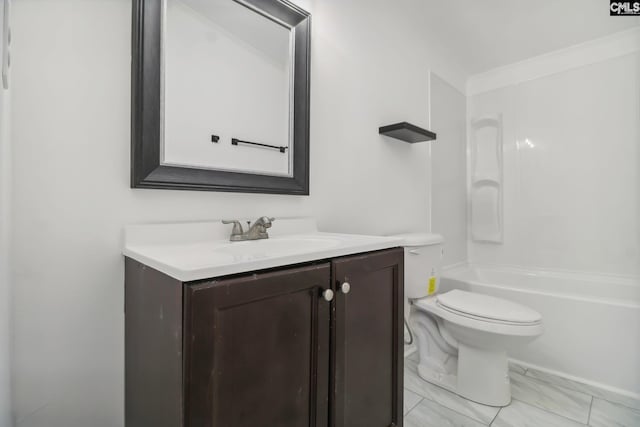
x=237 y=227
x=265 y=221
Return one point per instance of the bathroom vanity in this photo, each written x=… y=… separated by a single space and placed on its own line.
x=301 y=329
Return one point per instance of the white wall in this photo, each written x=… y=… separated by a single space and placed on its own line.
x=571 y=166
x=370 y=63
x=448 y=169
x=5 y=228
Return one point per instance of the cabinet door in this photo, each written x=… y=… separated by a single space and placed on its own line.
x=257 y=350
x=367 y=340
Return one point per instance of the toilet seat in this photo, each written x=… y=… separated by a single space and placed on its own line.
x=488 y=308
x=472 y=321
x=486 y=319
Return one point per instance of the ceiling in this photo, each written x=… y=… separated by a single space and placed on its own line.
x=485 y=34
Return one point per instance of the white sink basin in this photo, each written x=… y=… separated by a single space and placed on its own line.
x=278 y=246
x=182 y=251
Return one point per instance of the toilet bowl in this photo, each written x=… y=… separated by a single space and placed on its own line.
x=461 y=337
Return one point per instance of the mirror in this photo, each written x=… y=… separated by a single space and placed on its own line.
x=221 y=95
x=217 y=50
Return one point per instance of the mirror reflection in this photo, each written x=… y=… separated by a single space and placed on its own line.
x=221 y=50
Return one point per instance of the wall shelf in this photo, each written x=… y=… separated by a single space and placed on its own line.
x=407 y=132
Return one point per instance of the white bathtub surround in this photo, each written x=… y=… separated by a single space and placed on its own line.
x=588 y=319
x=571 y=198
x=535 y=403
x=571 y=166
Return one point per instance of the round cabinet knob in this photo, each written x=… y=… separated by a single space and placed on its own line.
x=327 y=294
x=345 y=288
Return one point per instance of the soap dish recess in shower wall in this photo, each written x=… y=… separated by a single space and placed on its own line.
x=485 y=204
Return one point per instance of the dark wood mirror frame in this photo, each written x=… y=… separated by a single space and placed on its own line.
x=146 y=109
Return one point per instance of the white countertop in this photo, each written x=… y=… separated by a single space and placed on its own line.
x=195 y=251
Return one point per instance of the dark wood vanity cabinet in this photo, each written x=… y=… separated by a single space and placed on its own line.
x=367 y=340
x=258 y=350
x=267 y=349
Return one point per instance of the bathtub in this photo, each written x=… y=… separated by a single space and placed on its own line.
x=592 y=322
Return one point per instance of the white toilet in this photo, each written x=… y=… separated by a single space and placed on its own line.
x=461 y=336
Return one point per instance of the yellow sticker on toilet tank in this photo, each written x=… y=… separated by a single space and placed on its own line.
x=432 y=285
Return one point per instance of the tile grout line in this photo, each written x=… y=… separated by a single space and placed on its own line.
x=451 y=409
x=414 y=406
x=552 y=384
x=497 y=413
x=565 y=386
x=613 y=402
x=554 y=413
x=587 y=392
x=563 y=389
x=491 y=423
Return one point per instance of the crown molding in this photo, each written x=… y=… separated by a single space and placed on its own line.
x=602 y=49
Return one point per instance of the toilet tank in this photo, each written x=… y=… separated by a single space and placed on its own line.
x=422 y=263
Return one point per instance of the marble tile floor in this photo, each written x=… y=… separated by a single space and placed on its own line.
x=538 y=400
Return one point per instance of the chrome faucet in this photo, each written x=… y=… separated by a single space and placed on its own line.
x=255 y=232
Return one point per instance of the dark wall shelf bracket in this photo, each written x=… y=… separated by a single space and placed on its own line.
x=236 y=141
x=407 y=132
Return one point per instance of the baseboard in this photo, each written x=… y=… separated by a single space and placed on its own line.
x=577 y=379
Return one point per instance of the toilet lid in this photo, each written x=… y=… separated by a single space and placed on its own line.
x=487 y=307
